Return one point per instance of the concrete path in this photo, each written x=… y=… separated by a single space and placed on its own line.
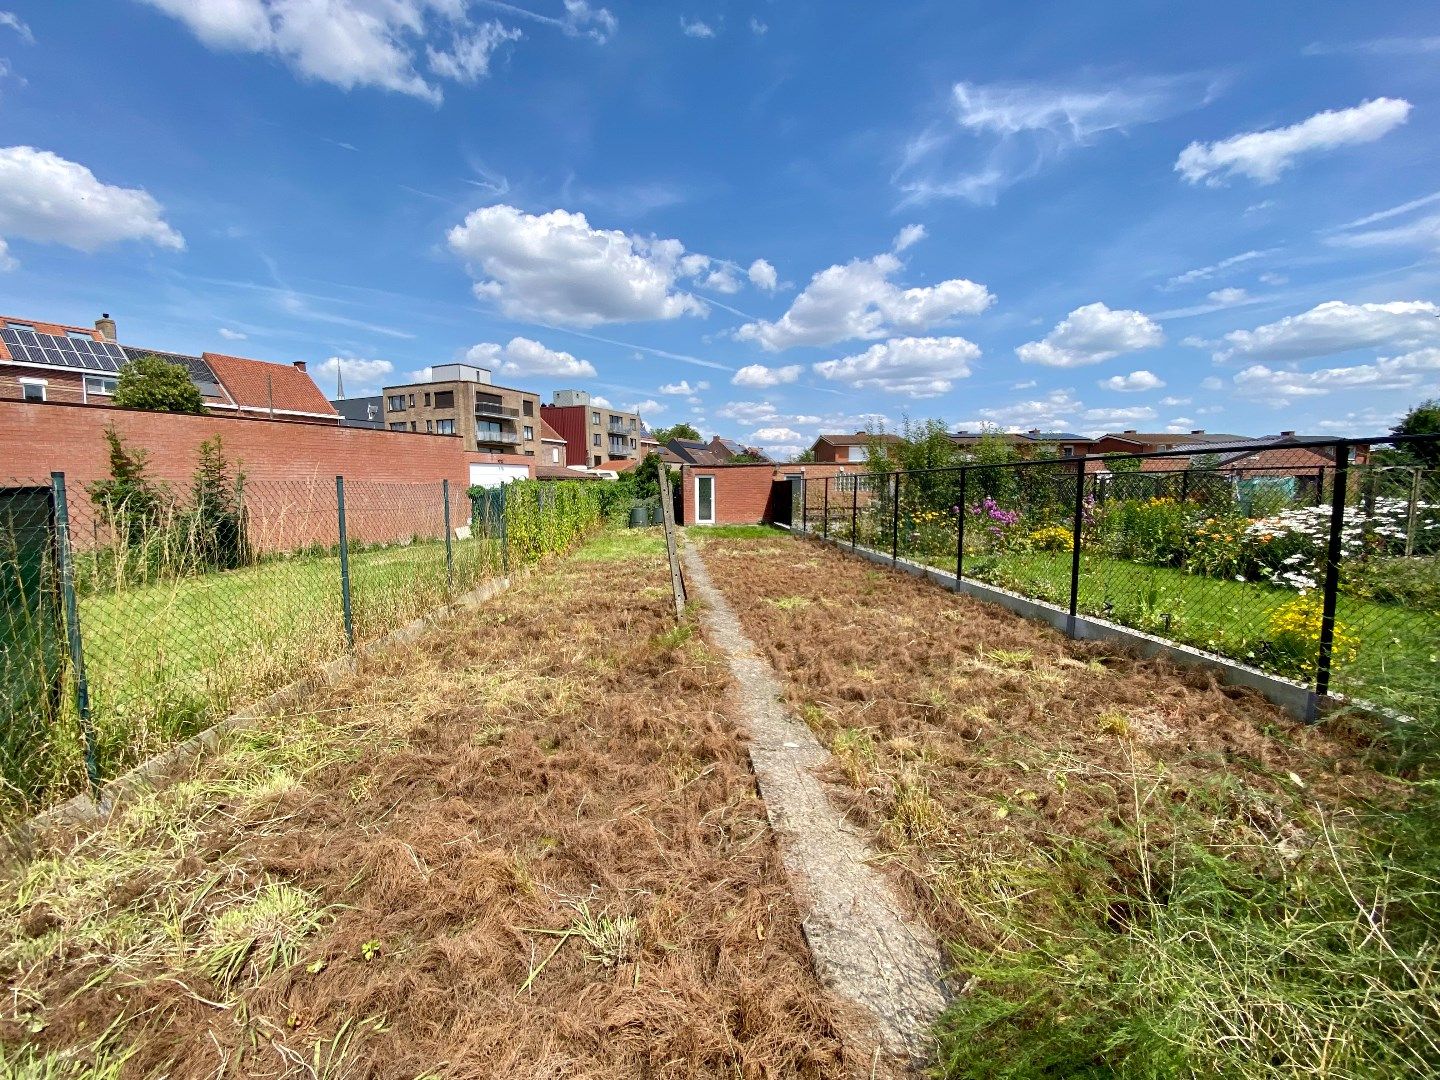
x=862 y=947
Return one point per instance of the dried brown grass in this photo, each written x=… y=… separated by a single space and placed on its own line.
x=529 y=846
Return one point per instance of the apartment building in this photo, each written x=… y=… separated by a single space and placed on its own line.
x=596 y=434
x=461 y=400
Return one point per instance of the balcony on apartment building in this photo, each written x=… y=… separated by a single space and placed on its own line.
x=494 y=408
x=493 y=436
x=621 y=449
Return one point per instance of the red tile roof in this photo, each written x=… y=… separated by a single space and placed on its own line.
x=548 y=433
x=620 y=464
x=256 y=384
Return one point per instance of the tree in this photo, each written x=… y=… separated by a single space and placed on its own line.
x=219 y=516
x=157 y=385
x=132 y=503
x=746 y=458
x=676 y=431
x=645 y=477
x=805 y=457
x=1423 y=419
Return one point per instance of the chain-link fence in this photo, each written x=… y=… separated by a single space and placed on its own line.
x=1315 y=560
x=133 y=615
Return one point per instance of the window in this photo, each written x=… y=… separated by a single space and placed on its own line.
x=705 y=500
x=398 y=426
x=527 y=407
x=444 y=399
x=529 y=432
x=595 y=418
x=412 y=401
x=34 y=390
x=427 y=399
x=430 y=424
x=632 y=444
x=554 y=455
x=445 y=427
x=632 y=423
x=597 y=439
x=412 y=422
x=395 y=403
x=99 y=386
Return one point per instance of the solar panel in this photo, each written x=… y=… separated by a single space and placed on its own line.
x=76 y=353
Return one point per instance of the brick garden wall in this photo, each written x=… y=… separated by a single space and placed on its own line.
x=742 y=492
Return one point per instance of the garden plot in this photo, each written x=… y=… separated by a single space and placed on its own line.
x=527 y=846
x=1138 y=871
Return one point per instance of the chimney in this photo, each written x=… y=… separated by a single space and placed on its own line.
x=1034 y=431
x=106 y=325
x=1197 y=431
x=1287 y=434
x=299 y=365
x=1129 y=431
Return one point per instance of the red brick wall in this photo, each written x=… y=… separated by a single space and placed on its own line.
x=290 y=467
x=742 y=492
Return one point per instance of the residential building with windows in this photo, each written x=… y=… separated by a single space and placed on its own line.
x=595 y=434
x=841 y=449
x=461 y=400
x=1032 y=443
x=1131 y=441
x=55 y=362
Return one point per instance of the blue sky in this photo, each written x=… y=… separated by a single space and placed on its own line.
x=768 y=218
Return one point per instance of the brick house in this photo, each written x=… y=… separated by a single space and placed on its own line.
x=742 y=494
x=1131 y=441
x=274 y=391
x=854 y=449
x=1029 y=443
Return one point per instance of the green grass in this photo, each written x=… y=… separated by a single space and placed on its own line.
x=624 y=544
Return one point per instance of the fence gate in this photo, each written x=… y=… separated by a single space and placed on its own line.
x=32 y=633
x=783 y=494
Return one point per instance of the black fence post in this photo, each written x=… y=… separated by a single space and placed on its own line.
x=504 y=533
x=895 y=522
x=804 y=506
x=449 y=551
x=72 y=624
x=960 y=528
x=1184 y=487
x=1333 y=554
x=349 y=614
x=1077 y=526
x=825 y=526
x=854 y=510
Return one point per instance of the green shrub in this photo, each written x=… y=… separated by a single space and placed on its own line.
x=1154 y=531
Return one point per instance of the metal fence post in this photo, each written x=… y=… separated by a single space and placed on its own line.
x=854 y=509
x=960 y=528
x=825 y=526
x=449 y=550
x=1077 y=525
x=895 y=522
x=504 y=533
x=804 y=506
x=1333 y=553
x=72 y=625
x=349 y=614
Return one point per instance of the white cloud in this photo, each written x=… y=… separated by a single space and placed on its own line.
x=1422 y=232
x=47 y=199
x=1389 y=46
x=770 y=435
x=1407 y=372
x=648 y=407
x=373 y=43
x=760 y=376
x=1092 y=334
x=757 y=27
x=601 y=402
x=522 y=357
x=1385 y=215
x=1202 y=272
x=1274 y=279
x=555 y=268
x=909 y=235
x=1050 y=411
x=7 y=263
x=13 y=21
x=1337 y=327
x=1134 y=382
x=1228 y=297
x=696 y=28
x=750 y=412
x=468 y=58
x=1264 y=155
x=858 y=300
x=361 y=376
x=232 y=335
x=762 y=275
x=916 y=366
x=996 y=134
x=1171 y=402
x=1210 y=382
x=683 y=388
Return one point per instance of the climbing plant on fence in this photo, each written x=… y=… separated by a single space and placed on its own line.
x=542 y=517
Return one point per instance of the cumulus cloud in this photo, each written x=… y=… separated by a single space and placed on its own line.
x=998 y=133
x=361 y=375
x=1263 y=155
x=858 y=300
x=231 y=335
x=47 y=199
x=1409 y=372
x=1092 y=334
x=770 y=435
x=1228 y=297
x=683 y=388
x=1337 y=327
x=522 y=357
x=1134 y=382
x=555 y=267
x=760 y=376
x=648 y=407
x=762 y=275
x=908 y=236
x=696 y=28
x=919 y=367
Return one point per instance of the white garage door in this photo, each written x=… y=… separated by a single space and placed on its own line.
x=482 y=475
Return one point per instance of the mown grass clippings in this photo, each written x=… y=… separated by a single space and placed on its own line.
x=1140 y=872
x=360 y=890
